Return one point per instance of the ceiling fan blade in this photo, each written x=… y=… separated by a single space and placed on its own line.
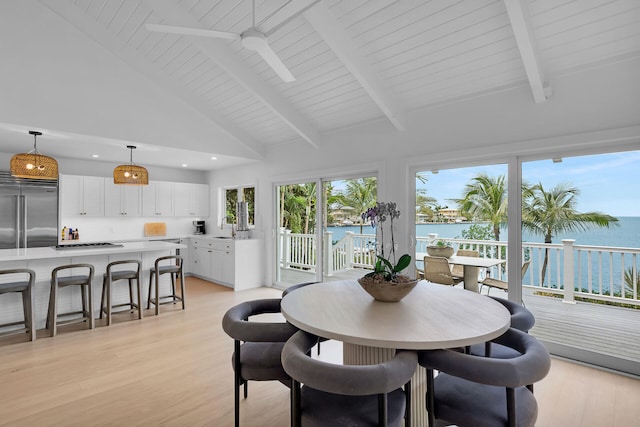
x=191 y=31
x=274 y=62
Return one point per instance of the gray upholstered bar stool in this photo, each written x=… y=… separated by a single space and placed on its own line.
x=84 y=282
x=173 y=267
x=25 y=287
x=113 y=275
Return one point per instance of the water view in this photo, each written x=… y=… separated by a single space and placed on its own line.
x=626 y=234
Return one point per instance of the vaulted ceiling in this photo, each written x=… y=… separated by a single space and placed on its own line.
x=354 y=61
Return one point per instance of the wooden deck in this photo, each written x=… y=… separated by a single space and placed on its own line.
x=593 y=333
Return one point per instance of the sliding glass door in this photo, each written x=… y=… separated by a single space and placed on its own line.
x=324 y=242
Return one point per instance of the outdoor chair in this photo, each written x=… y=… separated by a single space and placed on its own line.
x=438 y=270
x=457 y=271
x=484 y=391
x=500 y=284
x=257 y=345
x=347 y=395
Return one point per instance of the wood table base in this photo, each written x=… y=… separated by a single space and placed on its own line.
x=354 y=354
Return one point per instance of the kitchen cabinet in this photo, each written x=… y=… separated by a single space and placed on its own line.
x=200 y=265
x=81 y=195
x=191 y=199
x=121 y=199
x=157 y=199
x=225 y=261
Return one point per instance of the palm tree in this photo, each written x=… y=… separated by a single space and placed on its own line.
x=551 y=212
x=425 y=204
x=360 y=194
x=485 y=198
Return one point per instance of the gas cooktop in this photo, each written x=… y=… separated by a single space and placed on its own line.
x=87 y=245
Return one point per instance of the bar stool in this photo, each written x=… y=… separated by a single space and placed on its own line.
x=111 y=276
x=25 y=287
x=174 y=269
x=84 y=281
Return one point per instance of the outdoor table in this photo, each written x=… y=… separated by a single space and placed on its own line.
x=431 y=317
x=470 y=267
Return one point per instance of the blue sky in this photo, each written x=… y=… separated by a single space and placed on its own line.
x=608 y=183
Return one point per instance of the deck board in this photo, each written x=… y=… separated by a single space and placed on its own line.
x=598 y=332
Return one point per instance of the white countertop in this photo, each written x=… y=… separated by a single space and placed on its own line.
x=49 y=252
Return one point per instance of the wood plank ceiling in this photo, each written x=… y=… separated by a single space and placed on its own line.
x=410 y=54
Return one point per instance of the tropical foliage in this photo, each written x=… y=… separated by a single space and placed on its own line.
x=359 y=194
x=485 y=199
x=550 y=212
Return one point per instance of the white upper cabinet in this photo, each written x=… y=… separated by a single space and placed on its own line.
x=121 y=200
x=157 y=199
x=98 y=196
x=81 y=195
x=191 y=199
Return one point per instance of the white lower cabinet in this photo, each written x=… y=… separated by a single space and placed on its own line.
x=225 y=261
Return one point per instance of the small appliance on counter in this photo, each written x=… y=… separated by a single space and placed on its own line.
x=200 y=228
x=242 y=215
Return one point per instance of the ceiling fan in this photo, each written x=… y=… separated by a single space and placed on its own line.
x=252 y=38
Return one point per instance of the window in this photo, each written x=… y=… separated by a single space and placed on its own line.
x=232 y=196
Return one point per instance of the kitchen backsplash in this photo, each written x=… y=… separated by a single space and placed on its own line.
x=107 y=229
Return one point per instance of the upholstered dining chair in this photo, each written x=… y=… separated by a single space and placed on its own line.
x=484 y=391
x=457 y=271
x=501 y=284
x=347 y=395
x=257 y=345
x=298 y=286
x=438 y=270
x=521 y=319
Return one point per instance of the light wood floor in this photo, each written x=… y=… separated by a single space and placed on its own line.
x=175 y=370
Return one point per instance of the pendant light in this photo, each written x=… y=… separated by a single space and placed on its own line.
x=33 y=164
x=131 y=174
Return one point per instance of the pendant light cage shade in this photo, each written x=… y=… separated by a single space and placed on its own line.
x=34 y=165
x=130 y=174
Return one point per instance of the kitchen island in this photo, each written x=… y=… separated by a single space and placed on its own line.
x=44 y=260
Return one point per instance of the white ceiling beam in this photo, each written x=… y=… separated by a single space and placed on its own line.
x=226 y=59
x=334 y=34
x=523 y=31
x=78 y=19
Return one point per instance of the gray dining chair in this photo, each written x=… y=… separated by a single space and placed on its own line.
x=298 y=286
x=347 y=395
x=521 y=319
x=482 y=391
x=257 y=345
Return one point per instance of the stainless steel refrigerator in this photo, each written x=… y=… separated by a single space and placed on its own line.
x=28 y=212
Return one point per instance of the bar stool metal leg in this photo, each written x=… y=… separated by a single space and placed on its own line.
x=111 y=276
x=175 y=271
x=86 y=292
x=25 y=288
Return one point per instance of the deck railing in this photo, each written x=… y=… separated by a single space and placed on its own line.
x=596 y=272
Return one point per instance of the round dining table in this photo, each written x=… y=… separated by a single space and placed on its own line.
x=431 y=317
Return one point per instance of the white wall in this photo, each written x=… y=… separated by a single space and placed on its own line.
x=595 y=110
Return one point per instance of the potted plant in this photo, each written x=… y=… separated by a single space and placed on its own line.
x=385 y=282
x=440 y=248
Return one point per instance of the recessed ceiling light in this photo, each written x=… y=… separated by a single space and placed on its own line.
x=184 y=165
x=95 y=156
x=214 y=158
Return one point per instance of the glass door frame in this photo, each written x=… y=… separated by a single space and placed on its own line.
x=319 y=217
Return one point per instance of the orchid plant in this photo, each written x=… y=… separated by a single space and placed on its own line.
x=384 y=265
